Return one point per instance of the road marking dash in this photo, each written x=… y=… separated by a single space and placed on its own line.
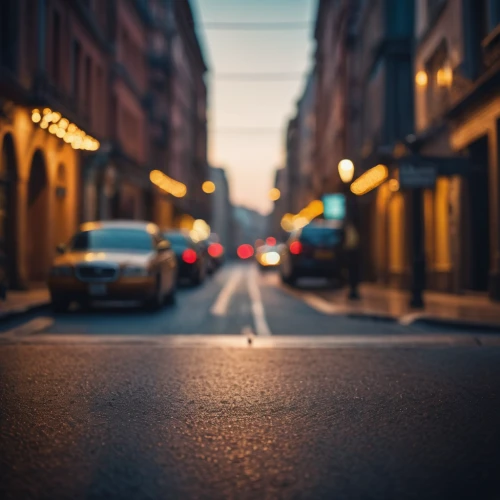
x=221 y=305
x=259 y=315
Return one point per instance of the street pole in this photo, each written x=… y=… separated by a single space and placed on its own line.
x=418 y=264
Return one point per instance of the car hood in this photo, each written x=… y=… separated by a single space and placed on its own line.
x=120 y=258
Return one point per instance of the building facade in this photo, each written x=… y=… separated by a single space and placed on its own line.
x=457 y=96
x=93 y=96
x=54 y=68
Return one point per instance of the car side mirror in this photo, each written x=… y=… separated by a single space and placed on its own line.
x=61 y=248
x=163 y=246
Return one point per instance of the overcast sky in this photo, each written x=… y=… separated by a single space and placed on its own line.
x=250 y=157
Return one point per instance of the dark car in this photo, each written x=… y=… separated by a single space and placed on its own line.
x=190 y=256
x=204 y=246
x=313 y=251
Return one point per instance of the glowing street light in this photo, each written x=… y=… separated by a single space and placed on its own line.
x=346 y=171
x=274 y=194
x=208 y=187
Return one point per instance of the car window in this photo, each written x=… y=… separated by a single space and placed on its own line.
x=112 y=239
x=320 y=236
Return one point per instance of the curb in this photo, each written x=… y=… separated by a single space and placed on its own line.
x=22 y=310
x=373 y=317
x=458 y=324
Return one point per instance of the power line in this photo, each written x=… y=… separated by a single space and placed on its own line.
x=237 y=26
x=259 y=77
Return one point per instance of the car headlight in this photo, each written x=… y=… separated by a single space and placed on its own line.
x=135 y=272
x=61 y=271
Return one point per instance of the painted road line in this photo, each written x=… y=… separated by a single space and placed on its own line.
x=220 y=306
x=259 y=315
x=30 y=327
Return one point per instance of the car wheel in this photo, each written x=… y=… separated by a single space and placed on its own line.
x=60 y=304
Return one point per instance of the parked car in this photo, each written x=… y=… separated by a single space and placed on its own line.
x=115 y=260
x=190 y=256
x=314 y=251
x=209 y=261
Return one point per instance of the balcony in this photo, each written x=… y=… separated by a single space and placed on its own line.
x=491 y=48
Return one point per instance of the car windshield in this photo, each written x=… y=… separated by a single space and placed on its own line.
x=113 y=239
x=320 y=236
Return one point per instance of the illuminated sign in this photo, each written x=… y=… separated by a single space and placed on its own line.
x=334 y=206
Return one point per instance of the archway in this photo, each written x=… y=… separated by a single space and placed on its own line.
x=8 y=209
x=37 y=229
x=61 y=206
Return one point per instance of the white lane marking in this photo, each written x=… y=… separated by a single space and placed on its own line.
x=259 y=315
x=30 y=327
x=221 y=304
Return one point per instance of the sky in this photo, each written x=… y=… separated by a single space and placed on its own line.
x=251 y=157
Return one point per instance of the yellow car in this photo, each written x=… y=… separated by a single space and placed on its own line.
x=115 y=260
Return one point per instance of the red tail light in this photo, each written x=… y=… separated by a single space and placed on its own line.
x=296 y=248
x=215 y=250
x=189 y=256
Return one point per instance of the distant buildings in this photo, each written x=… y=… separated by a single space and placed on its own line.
x=221 y=211
x=94 y=96
x=249 y=226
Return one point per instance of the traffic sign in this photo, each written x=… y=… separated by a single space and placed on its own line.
x=412 y=177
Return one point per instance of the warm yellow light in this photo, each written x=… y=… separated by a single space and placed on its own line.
x=394 y=185
x=346 y=170
x=287 y=222
x=67 y=138
x=44 y=124
x=53 y=128
x=36 y=116
x=274 y=194
x=71 y=128
x=63 y=123
x=60 y=133
x=47 y=111
x=370 y=180
x=208 y=187
x=55 y=117
x=444 y=77
x=270 y=258
x=202 y=229
x=421 y=78
x=169 y=185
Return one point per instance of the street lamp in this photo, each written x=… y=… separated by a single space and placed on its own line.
x=274 y=194
x=346 y=170
x=346 y=173
x=208 y=187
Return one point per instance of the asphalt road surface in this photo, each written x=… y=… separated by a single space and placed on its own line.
x=113 y=403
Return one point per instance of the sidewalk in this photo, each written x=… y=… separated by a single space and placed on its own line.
x=440 y=308
x=21 y=302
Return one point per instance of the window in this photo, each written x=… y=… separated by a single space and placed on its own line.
x=56 y=47
x=113 y=239
x=75 y=71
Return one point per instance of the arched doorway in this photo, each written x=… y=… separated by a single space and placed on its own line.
x=8 y=206
x=61 y=208
x=37 y=237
